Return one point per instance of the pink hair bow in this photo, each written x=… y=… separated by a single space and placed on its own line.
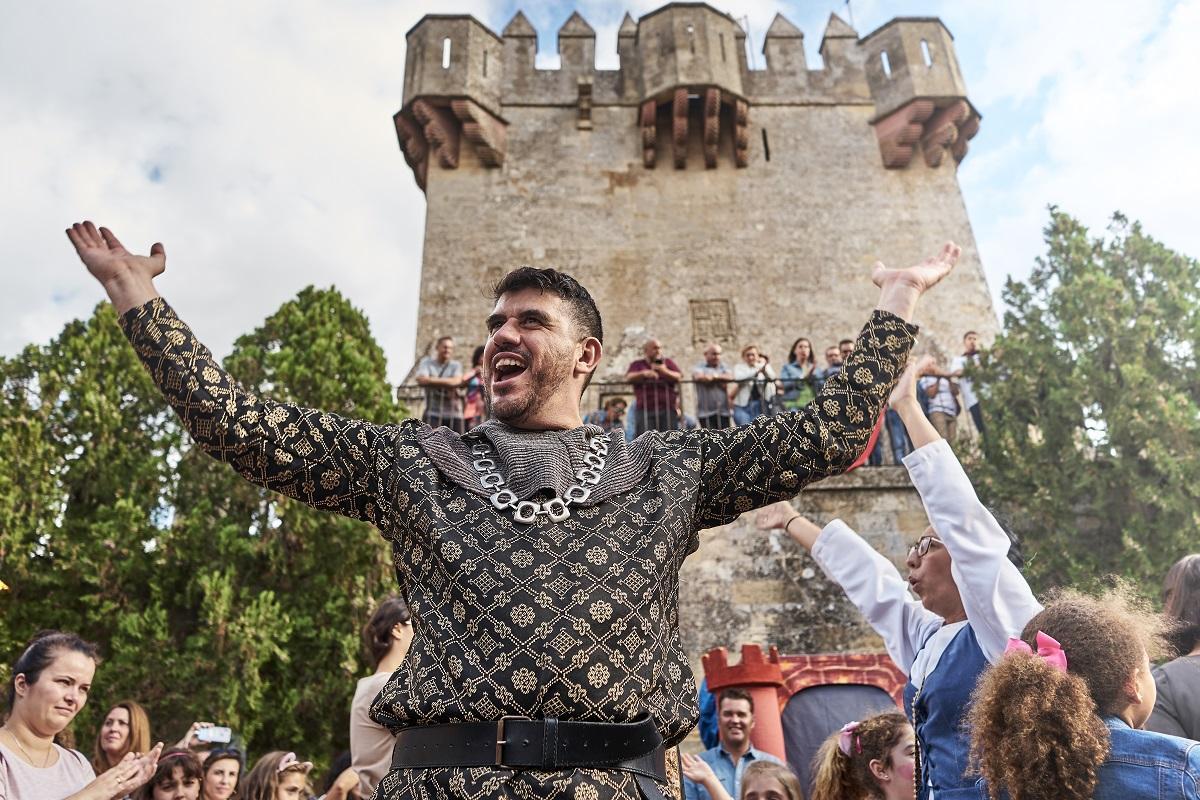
x=847 y=737
x=289 y=761
x=1048 y=649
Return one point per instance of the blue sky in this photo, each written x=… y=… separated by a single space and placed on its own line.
x=255 y=140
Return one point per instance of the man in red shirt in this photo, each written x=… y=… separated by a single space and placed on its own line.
x=655 y=382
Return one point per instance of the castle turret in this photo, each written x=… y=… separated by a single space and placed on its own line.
x=920 y=97
x=783 y=47
x=453 y=76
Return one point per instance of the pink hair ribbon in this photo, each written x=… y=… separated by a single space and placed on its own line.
x=289 y=761
x=1048 y=649
x=847 y=737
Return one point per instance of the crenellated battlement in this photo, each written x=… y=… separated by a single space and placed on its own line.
x=682 y=67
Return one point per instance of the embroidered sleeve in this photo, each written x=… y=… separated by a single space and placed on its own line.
x=775 y=457
x=324 y=460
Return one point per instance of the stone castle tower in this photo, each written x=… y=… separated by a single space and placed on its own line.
x=699 y=200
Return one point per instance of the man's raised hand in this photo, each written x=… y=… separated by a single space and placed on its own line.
x=900 y=288
x=127 y=278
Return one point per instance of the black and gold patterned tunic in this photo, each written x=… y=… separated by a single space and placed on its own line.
x=574 y=620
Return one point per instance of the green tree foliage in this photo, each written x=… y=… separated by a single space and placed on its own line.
x=1093 y=405
x=212 y=599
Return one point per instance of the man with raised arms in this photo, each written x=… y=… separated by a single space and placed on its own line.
x=540 y=557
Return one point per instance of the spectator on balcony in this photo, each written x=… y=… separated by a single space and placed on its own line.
x=845 y=348
x=799 y=375
x=942 y=405
x=833 y=365
x=611 y=417
x=442 y=376
x=755 y=387
x=473 y=409
x=969 y=358
x=655 y=380
x=712 y=379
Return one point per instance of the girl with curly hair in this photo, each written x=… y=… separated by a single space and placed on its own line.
x=1058 y=717
x=874 y=758
x=970 y=595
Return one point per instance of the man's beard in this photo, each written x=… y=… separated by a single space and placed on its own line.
x=544 y=380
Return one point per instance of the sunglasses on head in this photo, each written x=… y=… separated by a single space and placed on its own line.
x=922 y=546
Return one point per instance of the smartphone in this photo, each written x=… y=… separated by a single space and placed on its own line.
x=216 y=733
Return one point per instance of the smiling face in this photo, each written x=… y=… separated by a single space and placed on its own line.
x=734 y=723
x=114 y=733
x=176 y=786
x=750 y=356
x=49 y=705
x=931 y=580
x=220 y=779
x=535 y=362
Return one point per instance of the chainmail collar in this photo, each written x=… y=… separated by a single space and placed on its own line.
x=533 y=461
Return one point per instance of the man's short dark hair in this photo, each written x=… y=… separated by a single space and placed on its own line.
x=845 y=341
x=735 y=693
x=969 y=333
x=583 y=308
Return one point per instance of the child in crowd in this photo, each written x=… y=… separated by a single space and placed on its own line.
x=874 y=758
x=766 y=780
x=177 y=778
x=278 y=776
x=1058 y=717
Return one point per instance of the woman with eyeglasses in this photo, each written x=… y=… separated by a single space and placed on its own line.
x=222 y=768
x=387 y=636
x=965 y=572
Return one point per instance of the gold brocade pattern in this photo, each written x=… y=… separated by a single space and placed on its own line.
x=575 y=620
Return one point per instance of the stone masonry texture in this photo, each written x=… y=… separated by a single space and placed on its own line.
x=630 y=180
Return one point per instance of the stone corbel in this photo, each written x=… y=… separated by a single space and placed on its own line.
x=899 y=132
x=487 y=135
x=741 y=133
x=440 y=132
x=679 y=127
x=935 y=130
x=412 y=144
x=712 y=126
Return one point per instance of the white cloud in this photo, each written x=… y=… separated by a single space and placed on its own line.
x=268 y=127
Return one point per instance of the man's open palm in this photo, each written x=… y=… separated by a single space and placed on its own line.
x=108 y=260
x=923 y=276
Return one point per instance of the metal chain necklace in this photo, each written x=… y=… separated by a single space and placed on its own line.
x=556 y=508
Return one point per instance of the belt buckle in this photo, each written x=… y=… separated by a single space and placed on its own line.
x=500 y=740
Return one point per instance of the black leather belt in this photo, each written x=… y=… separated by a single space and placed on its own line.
x=521 y=743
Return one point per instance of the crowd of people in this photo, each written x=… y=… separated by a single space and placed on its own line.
x=1041 y=701
x=725 y=395
x=51 y=682
x=562 y=674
